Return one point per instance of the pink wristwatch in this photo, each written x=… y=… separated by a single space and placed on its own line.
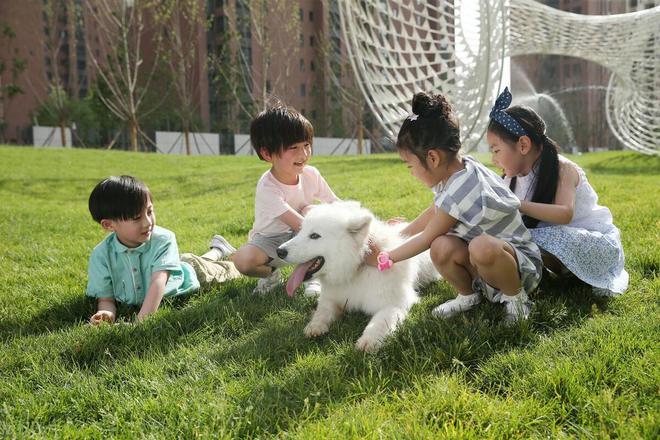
x=384 y=261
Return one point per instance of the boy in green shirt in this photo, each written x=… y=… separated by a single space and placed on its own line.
x=138 y=263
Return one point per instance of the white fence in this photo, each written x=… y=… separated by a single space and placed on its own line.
x=50 y=136
x=322 y=146
x=201 y=144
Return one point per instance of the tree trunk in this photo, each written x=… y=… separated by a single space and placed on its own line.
x=133 y=128
x=360 y=133
x=186 y=137
x=2 y=113
x=63 y=133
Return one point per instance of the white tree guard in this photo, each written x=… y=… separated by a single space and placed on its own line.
x=400 y=47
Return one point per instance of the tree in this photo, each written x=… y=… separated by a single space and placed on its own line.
x=58 y=102
x=233 y=63
x=346 y=103
x=121 y=26
x=15 y=65
x=181 y=22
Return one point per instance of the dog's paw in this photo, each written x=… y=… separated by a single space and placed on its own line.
x=368 y=344
x=316 y=329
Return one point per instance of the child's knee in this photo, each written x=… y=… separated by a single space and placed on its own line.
x=246 y=260
x=442 y=249
x=242 y=263
x=484 y=250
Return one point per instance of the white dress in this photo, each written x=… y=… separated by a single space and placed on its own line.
x=590 y=245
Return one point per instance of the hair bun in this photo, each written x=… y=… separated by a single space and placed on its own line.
x=425 y=105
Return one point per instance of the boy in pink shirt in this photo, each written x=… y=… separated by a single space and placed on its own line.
x=282 y=137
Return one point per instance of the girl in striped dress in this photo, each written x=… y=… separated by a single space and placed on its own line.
x=473 y=228
x=576 y=234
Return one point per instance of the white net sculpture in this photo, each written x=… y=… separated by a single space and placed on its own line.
x=400 y=47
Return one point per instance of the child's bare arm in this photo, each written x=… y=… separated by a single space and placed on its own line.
x=105 y=311
x=437 y=225
x=292 y=219
x=154 y=295
x=418 y=225
x=561 y=211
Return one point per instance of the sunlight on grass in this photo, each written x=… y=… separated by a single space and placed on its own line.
x=225 y=364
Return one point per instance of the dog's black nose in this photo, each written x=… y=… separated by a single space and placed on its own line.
x=282 y=253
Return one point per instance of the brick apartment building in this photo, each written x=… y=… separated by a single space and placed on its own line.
x=37 y=31
x=304 y=39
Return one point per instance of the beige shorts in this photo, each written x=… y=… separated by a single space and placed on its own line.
x=211 y=272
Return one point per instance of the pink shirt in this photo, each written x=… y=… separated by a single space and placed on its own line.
x=274 y=198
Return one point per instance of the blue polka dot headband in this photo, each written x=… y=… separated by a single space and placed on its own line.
x=498 y=114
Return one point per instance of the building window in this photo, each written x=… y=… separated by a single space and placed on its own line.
x=303 y=90
x=302 y=14
x=311 y=15
x=312 y=41
x=268 y=86
x=302 y=65
x=302 y=40
x=220 y=24
x=312 y=66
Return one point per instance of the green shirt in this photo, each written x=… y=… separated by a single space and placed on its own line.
x=116 y=271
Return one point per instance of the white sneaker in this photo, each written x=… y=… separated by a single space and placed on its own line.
x=312 y=288
x=219 y=243
x=457 y=305
x=265 y=285
x=518 y=307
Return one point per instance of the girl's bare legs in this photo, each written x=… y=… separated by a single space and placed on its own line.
x=450 y=256
x=496 y=263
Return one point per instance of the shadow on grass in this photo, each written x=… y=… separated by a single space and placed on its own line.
x=423 y=345
x=68 y=314
x=58 y=316
x=262 y=346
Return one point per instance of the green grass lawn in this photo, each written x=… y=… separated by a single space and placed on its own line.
x=226 y=364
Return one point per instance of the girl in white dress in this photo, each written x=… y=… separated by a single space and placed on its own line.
x=575 y=234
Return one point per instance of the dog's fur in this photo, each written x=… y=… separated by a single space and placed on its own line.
x=340 y=233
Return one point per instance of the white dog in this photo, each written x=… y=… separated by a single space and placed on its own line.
x=331 y=246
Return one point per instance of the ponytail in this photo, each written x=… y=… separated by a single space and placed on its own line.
x=547 y=177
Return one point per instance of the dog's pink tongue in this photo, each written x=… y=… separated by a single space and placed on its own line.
x=297 y=277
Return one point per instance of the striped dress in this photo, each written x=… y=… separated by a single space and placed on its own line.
x=482 y=204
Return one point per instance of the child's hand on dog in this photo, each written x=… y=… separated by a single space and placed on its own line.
x=371 y=257
x=395 y=220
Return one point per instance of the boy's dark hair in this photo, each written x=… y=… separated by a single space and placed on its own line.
x=432 y=126
x=547 y=178
x=118 y=198
x=278 y=127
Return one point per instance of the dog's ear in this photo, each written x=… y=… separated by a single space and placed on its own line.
x=360 y=224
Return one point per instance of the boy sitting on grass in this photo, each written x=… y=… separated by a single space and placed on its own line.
x=283 y=137
x=138 y=262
